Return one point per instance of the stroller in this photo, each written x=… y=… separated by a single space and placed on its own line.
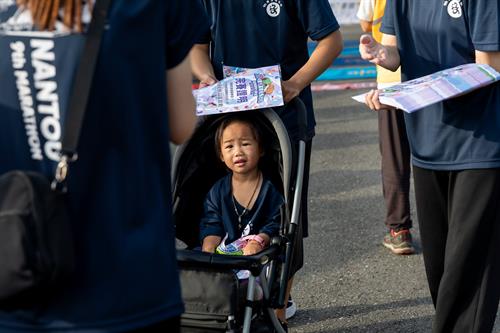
x=213 y=295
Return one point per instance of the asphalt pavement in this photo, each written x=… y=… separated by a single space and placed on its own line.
x=350 y=282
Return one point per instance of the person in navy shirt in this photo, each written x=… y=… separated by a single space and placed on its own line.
x=119 y=188
x=243 y=203
x=455 y=148
x=260 y=33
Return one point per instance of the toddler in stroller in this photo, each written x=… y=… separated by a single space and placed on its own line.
x=242 y=206
x=210 y=286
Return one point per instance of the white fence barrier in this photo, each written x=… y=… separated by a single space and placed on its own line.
x=345 y=10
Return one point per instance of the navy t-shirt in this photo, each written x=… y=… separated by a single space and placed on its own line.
x=220 y=217
x=262 y=33
x=119 y=189
x=464 y=132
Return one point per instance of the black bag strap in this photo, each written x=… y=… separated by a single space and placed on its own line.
x=80 y=92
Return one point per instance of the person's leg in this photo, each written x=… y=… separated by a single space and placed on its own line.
x=469 y=292
x=281 y=313
x=395 y=167
x=171 y=325
x=432 y=211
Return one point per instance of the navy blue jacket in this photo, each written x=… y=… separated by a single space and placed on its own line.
x=220 y=217
x=119 y=189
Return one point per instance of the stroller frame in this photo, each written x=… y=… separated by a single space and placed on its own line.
x=270 y=257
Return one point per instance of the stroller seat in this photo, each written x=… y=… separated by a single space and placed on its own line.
x=215 y=300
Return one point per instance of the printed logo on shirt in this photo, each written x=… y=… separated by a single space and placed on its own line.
x=40 y=70
x=43 y=101
x=454 y=8
x=273 y=7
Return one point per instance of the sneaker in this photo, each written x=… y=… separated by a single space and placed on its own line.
x=291 y=308
x=399 y=242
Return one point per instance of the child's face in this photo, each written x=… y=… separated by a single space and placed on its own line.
x=239 y=148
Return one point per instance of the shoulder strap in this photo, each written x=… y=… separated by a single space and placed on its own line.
x=83 y=78
x=81 y=89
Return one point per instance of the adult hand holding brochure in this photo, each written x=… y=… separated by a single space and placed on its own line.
x=415 y=94
x=241 y=89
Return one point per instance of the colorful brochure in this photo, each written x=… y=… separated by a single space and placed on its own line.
x=416 y=94
x=241 y=89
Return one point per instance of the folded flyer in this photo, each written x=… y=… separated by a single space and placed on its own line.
x=241 y=89
x=415 y=94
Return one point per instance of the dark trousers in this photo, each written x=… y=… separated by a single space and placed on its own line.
x=459 y=218
x=396 y=168
x=171 y=325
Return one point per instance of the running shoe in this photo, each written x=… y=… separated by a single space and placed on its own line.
x=291 y=308
x=399 y=242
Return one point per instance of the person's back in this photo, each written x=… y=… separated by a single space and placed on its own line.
x=119 y=189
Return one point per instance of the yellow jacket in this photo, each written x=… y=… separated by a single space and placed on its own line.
x=383 y=75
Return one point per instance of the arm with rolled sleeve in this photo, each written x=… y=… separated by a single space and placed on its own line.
x=211 y=226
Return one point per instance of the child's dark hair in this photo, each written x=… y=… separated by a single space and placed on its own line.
x=256 y=131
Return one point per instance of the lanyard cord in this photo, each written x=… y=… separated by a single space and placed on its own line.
x=245 y=208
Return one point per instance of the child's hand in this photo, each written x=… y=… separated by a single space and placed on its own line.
x=210 y=243
x=252 y=247
x=208 y=249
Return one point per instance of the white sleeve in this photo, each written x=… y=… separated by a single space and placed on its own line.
x=365 y=11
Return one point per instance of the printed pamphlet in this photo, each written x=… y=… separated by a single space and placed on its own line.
x=415 y=94
x=234 y=249
x=241 y=89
